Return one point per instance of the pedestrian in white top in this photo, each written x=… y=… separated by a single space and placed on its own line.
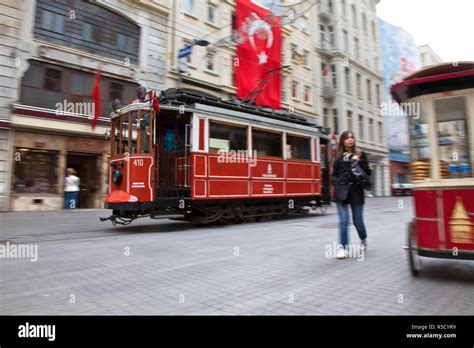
x=71 y=189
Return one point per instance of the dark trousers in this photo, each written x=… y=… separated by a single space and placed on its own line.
x=357 y=218
x=70 y=199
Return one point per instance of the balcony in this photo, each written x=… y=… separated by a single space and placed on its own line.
x=328 y=92
x=324 y=11
x=326 y=48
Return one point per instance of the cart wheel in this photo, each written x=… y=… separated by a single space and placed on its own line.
x=323 y=209
x=415 y=261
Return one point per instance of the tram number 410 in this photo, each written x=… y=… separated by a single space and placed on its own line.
x=138 y=162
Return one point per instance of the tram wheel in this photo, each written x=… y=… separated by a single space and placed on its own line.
x=414 y=259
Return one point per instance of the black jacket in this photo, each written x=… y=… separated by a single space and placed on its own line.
x=346 y=188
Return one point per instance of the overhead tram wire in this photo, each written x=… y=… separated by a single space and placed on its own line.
x=205 y=36
x=225 y=38
x=308 y=84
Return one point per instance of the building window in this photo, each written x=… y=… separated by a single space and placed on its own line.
x=349 y=121
x=53 y=21
x=369 y=91
x=361 y=127
x=116 y=91
x=354 y=15
x=345 y=41
x=36 y=172
x=93 y=34
x=331 y=34
x=210 y=60
x=282 y=89
x=380 y=132
x=374 y=31
x=347 y=77
x=52 y=81
x=294 y=89
x=125 y=43
x=294 y=52
x=364 y=23
x=343 y=8
x=188 y=58
x=307 y=91
x=359 y=86
x=356 y=48
x=234 y=29
x=226 y=137
x=211 y=12
x=377 y=94
x=298 y=147
x=303 y=24
x=267 y=143
x=326 y=117
x=305 y=58
x=322 y=32
x=334 y=76
x=95 y=30
x=335 y=121
x=371 y=130
x=188 y=6
x=323 y=69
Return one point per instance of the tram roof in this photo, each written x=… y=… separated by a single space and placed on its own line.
x=435 y=79
x=177 y=97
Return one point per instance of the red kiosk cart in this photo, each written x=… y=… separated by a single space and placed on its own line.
x=439 y=102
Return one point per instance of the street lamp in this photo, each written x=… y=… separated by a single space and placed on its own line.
x=186 y=51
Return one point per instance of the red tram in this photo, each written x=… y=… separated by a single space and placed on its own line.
x=203 y=159
x=442 y=149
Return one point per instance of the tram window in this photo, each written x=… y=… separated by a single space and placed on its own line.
x=125 y=134
x=298 y=147
x=453 y=138
x=420 y=147
x=226 y=137
x=134 y=139
x=267 y=143
x=169 y=138
x=116 y=130
x=144 y=129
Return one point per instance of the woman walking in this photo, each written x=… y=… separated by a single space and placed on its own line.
x=348 y=191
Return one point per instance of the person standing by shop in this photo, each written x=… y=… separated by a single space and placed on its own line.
x=71 y=189
x=348 y=191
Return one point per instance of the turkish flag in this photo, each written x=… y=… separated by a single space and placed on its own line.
x=155 y=102
x=96 y=98
x=258 y=53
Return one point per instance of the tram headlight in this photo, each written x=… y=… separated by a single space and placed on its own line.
x=117 y=177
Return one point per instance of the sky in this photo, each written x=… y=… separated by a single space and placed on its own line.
x=446 y=25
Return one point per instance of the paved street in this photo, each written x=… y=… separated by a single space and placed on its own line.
x=273 y=268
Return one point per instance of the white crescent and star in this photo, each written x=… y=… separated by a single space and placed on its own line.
x=262 y=58
x=257 y=24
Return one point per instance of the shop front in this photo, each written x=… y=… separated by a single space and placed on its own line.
x=39 y=166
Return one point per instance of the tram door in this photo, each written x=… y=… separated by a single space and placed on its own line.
x=173 y=149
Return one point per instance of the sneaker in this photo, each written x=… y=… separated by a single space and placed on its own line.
x=363 y=244
x=341 y=253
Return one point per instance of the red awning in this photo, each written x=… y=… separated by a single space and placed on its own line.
x=437 y=73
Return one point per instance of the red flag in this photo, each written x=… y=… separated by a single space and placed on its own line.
x=258 y=51
x=155 y=102
x=96 y=98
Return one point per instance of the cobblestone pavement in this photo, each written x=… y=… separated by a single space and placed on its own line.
x=271 y=268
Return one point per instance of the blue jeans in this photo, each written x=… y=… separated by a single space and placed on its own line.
x=70 y=199
x=357 y=218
